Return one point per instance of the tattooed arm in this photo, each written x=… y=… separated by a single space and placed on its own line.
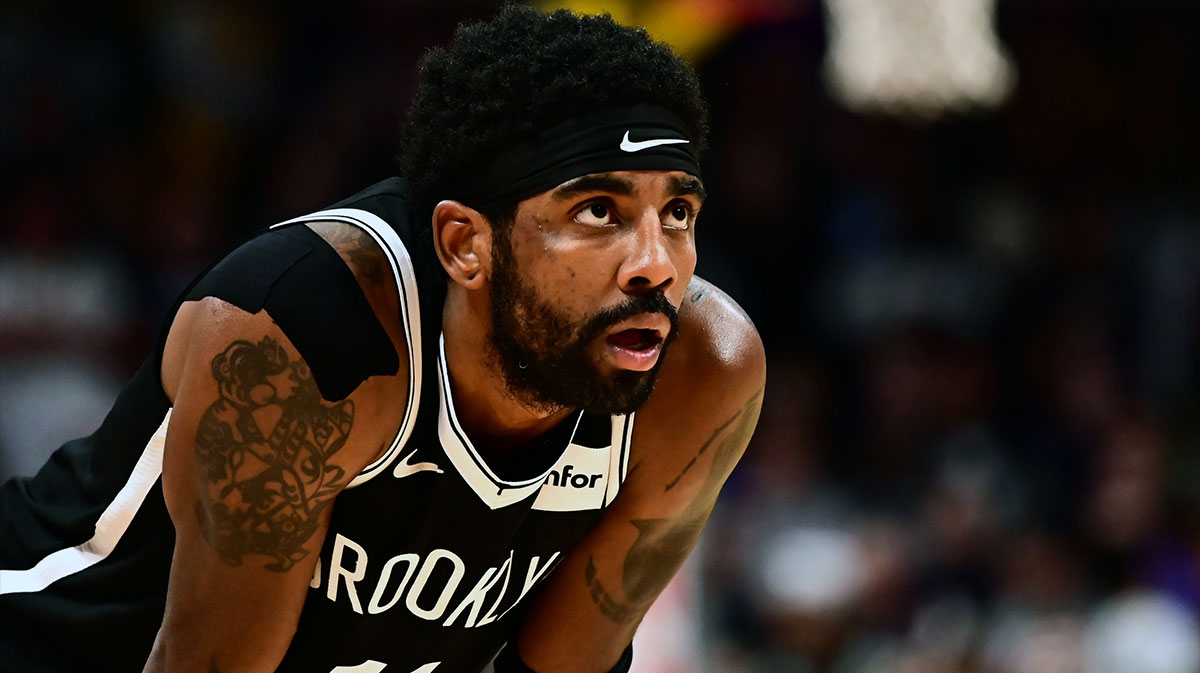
x=686 y=442
x=254 y=459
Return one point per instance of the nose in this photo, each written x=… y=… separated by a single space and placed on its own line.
x=648 y=266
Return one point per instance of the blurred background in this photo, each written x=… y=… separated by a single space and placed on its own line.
x=969 y=232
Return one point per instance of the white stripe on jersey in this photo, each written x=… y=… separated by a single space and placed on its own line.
x=110 y=527
x=622 y=434
x=410 y=314
x=609 y=463
x=491 y=489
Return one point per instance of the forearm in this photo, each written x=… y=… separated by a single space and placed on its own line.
x=596 y=599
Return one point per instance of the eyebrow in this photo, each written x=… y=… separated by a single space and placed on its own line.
x=688 y=185
x=601 y=182
x=605 y=182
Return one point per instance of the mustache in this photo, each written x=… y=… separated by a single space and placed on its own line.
x=635 y=305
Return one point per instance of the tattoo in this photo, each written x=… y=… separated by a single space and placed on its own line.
x=609 y=606
x=363 y=252
x=656 y=555
x=698 y=295
x=263 y=450
x=369 y=263
x=746 y=418
x=661 y=547
x=663 y=544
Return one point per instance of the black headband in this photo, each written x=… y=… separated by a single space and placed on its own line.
x=639 y=137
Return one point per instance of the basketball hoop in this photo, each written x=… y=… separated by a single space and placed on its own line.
x=916 y=58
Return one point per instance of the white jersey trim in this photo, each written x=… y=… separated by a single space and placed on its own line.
x=496 y=492
x=491 y=489
x=622 y=435
x=410 y=317
x=110 y=527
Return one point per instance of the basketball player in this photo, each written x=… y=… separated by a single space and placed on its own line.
x=484 y=409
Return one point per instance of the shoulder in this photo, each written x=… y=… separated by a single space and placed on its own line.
x=705 y=403
x=716 y=360
x=366 y=260
x=372 y=271
x=210 y=333
x=329 y=289
x=318 y=294
x=716 y=338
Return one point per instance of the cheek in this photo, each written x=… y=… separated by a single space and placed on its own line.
x=561 y=273
x=685 y=261
x=559 y=286
x=685 y=268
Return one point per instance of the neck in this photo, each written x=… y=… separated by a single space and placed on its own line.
x=494 y=419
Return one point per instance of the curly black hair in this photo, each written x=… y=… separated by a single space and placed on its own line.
x=500 y=82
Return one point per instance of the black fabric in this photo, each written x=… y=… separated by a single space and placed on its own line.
x=509 y=661
x=104 y=618
x=595 y=143
x=312 y=295
x=389 y=199
x=246 y=275
x=58 y=507
x=536 y=457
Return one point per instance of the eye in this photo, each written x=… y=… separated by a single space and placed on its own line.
x=595 y=215
x=678 y=216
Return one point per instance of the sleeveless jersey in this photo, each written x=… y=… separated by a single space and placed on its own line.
x=433 y=552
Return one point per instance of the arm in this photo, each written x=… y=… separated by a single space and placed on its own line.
x=686 y=442
x=254 y=459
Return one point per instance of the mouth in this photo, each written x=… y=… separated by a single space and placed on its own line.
x=635 y=339
x=636 y=344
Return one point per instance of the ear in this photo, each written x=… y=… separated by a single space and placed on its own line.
x=463 y=240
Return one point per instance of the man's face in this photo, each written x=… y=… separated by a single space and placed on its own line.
x=585 y=288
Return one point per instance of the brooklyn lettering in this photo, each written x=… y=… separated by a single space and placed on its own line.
x=434 y=586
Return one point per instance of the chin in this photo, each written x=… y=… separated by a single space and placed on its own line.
x=627 y=391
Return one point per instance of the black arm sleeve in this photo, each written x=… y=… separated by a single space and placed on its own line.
x=312 y=295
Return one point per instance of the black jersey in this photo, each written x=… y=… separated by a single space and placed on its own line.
x=432 y=551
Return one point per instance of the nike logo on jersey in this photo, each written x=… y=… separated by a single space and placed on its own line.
x=406 y=467
x=637 y=146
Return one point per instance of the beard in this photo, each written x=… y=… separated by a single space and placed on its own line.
x=546 y=357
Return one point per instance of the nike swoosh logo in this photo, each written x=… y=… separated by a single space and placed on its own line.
x=406 y=467
x=631 y=146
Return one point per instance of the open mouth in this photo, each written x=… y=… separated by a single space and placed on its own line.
x=635 y=349
x=636 y=344
x=637 y=340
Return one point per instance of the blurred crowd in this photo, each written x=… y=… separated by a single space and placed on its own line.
x=980 y=445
